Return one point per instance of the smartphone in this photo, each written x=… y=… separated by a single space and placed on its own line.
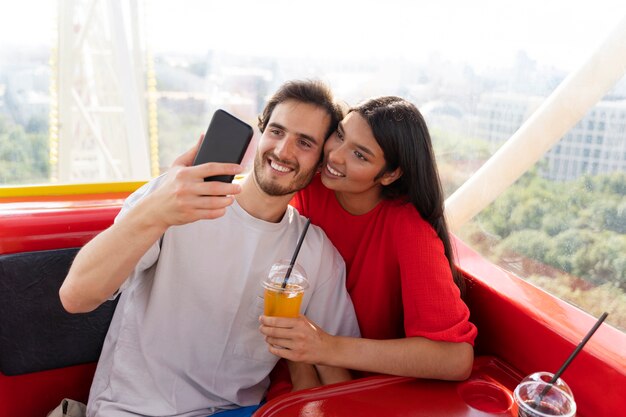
x=226 y=140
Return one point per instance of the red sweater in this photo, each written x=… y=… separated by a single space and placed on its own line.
x=397 y=273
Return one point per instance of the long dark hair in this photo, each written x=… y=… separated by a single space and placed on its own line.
x=401 y=132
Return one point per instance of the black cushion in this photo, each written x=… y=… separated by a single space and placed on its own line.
x=36 y=333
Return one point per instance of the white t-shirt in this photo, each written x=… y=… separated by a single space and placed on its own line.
x=184 y=339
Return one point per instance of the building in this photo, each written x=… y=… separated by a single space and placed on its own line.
x=499 y=115
x=595 y=145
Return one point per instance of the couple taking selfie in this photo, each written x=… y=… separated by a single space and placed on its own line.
x=186 y=259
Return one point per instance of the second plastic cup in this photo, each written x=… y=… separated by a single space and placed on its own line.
x=284 y=302
x=533 y=400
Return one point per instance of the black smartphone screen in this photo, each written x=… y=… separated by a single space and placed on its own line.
x=226 y=140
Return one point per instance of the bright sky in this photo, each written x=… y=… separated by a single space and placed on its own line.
x=482 y=32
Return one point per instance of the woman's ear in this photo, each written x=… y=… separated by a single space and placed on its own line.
x=391 y=176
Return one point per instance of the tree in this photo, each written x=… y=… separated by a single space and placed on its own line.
x=614 y=183
x=554 y=223
x=603 y=261
x=567 y=246
x=578 y=219
x=37 y=124
x=605 y=214
x=24 y=155
x=528 y=214
x=533 y=244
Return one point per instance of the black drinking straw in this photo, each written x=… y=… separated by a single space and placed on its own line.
x=582 y=343
x=295 y=254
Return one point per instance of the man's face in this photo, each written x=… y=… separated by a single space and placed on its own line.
x=289 y=150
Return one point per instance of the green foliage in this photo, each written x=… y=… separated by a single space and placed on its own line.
x=603 y=260
x=606 y=184
x=199 y=68
x=23 y=154
x=458 y=157
x=578 y=227
x=566 y=247
x=455 y=147
x=555 y=223
x=37 y=124
x=530 y=243
x=528 y=215
x=177 y=133
x=595 y=300
x=605 y=214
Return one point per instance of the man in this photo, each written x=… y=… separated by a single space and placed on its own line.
x=188 y=258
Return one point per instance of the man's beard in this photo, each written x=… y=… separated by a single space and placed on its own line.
x=270 y=186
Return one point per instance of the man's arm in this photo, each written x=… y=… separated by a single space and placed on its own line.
x=332 y=375
x=303 y=376
x=103 y=264
x=302 y=340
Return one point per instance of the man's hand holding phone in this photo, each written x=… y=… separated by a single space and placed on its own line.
x=184 y=197
x=198 y=185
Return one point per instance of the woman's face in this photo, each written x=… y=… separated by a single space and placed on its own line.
x=353 y=160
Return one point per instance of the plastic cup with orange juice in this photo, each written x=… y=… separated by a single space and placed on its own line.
x=284 y=300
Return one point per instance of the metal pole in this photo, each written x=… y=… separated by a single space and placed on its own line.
x=560 y=112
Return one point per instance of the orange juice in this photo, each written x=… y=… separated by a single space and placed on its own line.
x=283 y=302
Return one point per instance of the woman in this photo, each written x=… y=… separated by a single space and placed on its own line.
x=379 y=200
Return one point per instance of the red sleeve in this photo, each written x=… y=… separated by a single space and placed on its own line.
x=432 y=302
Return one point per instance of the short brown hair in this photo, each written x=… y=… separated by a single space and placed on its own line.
x=304 y=91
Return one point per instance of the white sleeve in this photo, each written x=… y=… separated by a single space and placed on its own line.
x=330 y=306
x=152 y=254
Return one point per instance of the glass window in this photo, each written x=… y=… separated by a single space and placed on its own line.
x=127 y=118
x=26 y=42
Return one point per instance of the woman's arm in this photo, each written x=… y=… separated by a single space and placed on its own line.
x=413 y=356
x=303 y=341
